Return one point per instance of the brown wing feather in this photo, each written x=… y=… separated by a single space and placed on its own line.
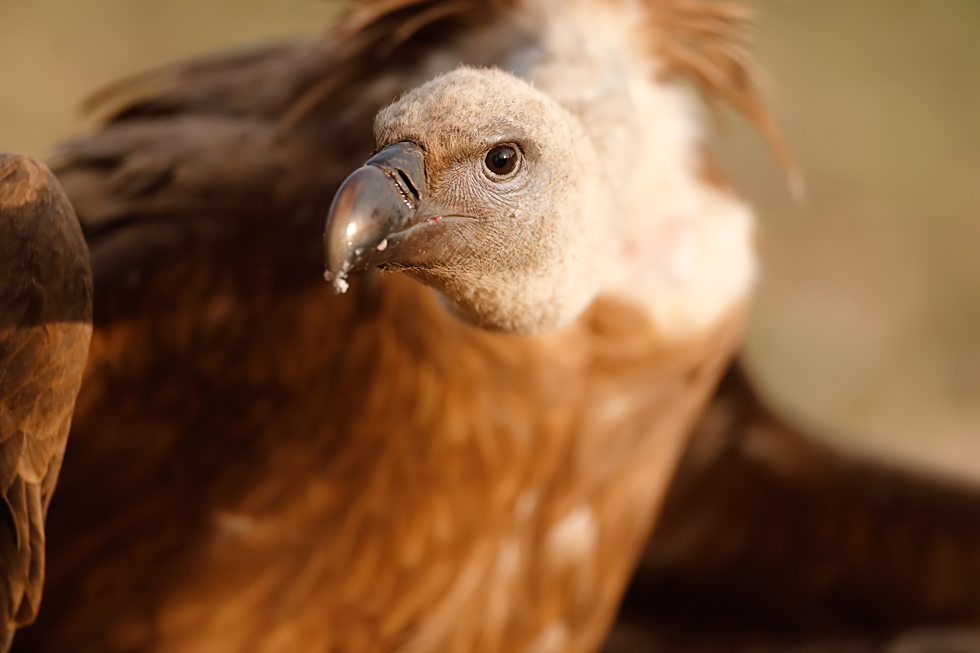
x=767 y=530
x=196 y=165
x=45 y=325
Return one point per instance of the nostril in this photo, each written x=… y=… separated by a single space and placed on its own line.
x=408 y=183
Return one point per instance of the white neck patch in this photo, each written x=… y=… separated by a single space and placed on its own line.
x=686 y=251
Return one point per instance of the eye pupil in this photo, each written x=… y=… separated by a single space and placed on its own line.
x=502 y=160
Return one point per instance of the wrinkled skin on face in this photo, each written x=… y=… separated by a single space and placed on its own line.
x=509 y=226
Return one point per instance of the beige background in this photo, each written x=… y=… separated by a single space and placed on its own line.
x=867 y=321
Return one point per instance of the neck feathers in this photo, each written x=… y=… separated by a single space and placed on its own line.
x=684 y=247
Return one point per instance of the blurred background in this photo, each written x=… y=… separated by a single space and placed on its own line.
x=867 y=320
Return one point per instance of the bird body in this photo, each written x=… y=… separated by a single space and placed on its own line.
x=478 y=492
x=405 y=467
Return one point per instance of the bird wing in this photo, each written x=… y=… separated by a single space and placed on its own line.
x=45 y=325
x=199 y=160
x=768 y=529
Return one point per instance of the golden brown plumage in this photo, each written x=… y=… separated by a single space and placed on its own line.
x=301 y=516
x=45 y=325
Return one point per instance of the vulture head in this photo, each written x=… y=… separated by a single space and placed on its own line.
x=486 y=190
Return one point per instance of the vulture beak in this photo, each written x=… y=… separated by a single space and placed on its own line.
x=372 y=213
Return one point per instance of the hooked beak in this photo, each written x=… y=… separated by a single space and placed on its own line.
x=371 y=213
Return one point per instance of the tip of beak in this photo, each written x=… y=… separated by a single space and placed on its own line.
x=366 y=210
x=373 y=206
x=339 y=282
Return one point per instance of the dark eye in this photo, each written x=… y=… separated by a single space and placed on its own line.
x=502 y=160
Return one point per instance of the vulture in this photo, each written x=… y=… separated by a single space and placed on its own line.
x=45 y=326
x=461 y=441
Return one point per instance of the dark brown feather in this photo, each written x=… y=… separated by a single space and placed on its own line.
x=769 y=538
x=45 y=325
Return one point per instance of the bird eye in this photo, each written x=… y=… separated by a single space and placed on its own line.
x=502 y=161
